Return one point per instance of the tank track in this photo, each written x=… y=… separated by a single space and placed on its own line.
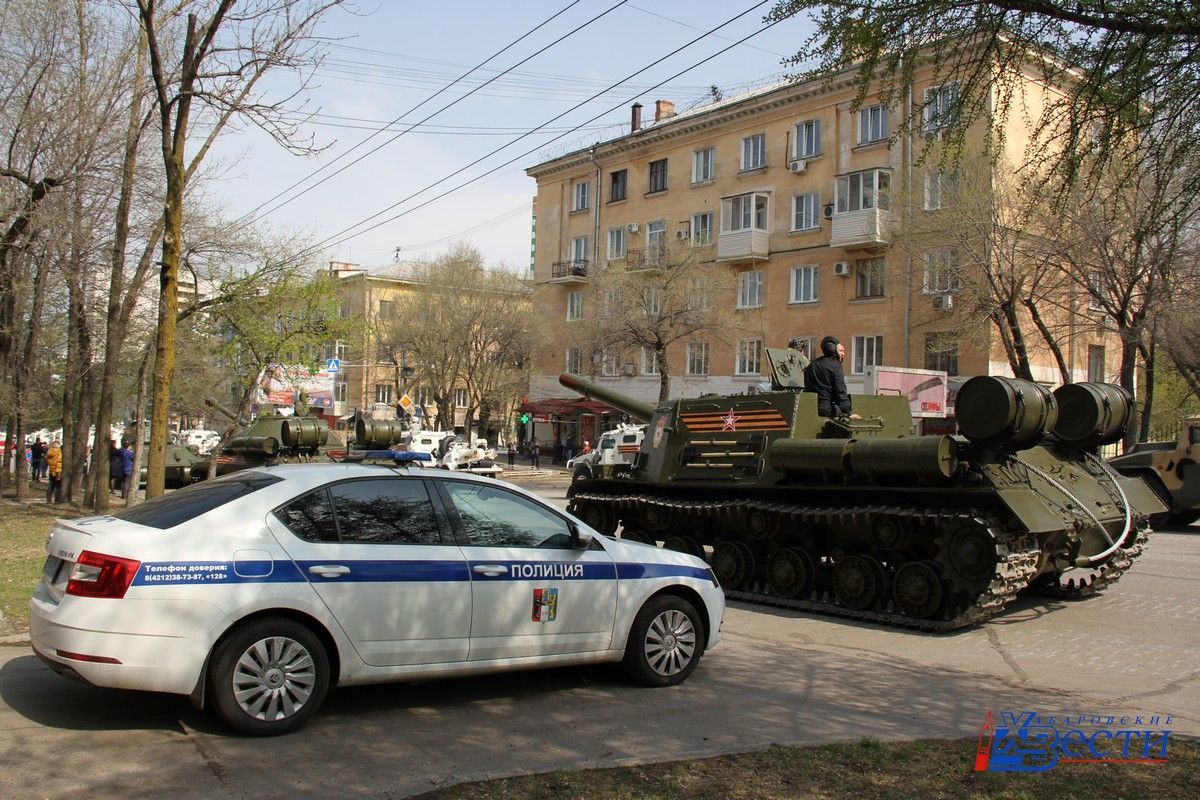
x=1095 y=579
x=1016 y=565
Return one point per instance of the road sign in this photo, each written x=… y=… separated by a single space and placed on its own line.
x=334 y=365
x=406 y=403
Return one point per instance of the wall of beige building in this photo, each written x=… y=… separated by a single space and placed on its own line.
x=902 y=316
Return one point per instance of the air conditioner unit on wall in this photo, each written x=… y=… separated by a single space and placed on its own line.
x=842 y=268
x=682 y=234
x=943 y=302
x=829 y=211
x=798 y=166
x=632 y=227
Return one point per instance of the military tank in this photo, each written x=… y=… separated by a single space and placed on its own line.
x=1172 y=469
x=860 y=517
x=267 y=441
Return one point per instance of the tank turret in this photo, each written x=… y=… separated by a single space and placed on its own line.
x=858 y=516
x=267 y=441
x=222 y=410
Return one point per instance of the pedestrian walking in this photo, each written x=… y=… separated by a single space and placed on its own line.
x=54 y=473
x=37 y=455
x=126 y=470
x=534 y=453
x=114 y=466
x=512 y=454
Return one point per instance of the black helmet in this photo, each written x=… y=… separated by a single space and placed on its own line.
x=829 y=346
x=798 y=343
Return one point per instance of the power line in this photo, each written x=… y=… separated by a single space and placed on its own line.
x=333 y=239
x=343 y=168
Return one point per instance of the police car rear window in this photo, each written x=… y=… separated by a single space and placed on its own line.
x=178 y=507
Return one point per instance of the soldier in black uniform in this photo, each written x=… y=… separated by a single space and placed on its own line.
x=824 y=376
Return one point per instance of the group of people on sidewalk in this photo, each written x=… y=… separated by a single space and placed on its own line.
x=46 y=462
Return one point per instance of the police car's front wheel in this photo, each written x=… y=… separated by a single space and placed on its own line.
x=269 y=677
x=665 y=642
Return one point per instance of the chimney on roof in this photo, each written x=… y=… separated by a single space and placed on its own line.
x=635 y=118
x=663 y=109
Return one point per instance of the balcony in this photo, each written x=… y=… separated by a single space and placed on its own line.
x=574 y=271
x=750 y=244
x=652 y=258
x=866 y=228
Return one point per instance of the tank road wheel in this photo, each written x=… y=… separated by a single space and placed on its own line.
x=858 y=582
x=599 y=516
x=968 y=555
x=791 y=573
x=918 y=590
x=637 y=535
x=760 y=524
x=891 y=534
x=684 y=544
x=656 y=518
x=733 y=564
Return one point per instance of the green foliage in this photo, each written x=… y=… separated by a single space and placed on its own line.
x=1131 y=68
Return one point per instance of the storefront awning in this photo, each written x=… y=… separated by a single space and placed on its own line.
x=567 y=407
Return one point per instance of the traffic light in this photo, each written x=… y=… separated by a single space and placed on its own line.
x=524 y=419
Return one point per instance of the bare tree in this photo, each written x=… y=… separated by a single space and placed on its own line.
x=653 y=302
x=223 y=53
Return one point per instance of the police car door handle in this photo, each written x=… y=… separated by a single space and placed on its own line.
x=491 y=570
x=329 y=570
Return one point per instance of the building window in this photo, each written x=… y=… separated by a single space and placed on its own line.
x=613 y=300
x=940 y=190
x=744 y=212
x=1095 y=362
x=573 y=363
x=649 y=361
x=704 y=165
x=579 y=196
x=658 y=175
x=697 y=358
x=609 y=367
x=940 y=109
x=861 y=190
x=1095 y=291
x=339 y=392
x=652 y=301
x=387 y=309
x=574 y=306
x=699 y=299
x=461 y=398
x=383 y=393
x=750 y=289
x=872 y=124
x=618 y=185
x=336 y=350
x=941 y=271
x=804 y=284
x=579 y=249
x=806 y=211
x=423 y=396
x=808 y=138
x=868 y=352
x=616 y=243
x=941 y=352
x=702 y=229
x=749 y=357
x=754 y=151
x=868 y=277
x=656 y=241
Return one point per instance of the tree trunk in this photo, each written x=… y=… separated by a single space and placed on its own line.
x=10 y=447
x=1128 y=381
x=139 y=425
x=24 y=373
x=1148 y=357
x=1049 y=338
x=664 y=375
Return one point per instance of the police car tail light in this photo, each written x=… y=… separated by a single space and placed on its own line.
x=97 y=575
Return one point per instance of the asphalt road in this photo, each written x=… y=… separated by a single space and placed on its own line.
x=779 y=677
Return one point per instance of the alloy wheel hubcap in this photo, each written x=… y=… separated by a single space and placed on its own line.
x=670 y=643
x=274 y=678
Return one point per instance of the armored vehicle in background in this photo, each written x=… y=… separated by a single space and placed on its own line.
x=862 y=518
x=1171 y=469
x=267 y=441
x=184 y=464
x=617 y=446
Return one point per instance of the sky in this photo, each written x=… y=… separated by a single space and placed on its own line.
x=384 y=62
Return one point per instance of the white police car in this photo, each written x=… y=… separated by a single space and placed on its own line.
x=259 y=591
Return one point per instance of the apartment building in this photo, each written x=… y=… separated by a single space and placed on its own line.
x=795 y=192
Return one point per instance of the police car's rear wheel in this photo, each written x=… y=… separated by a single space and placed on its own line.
x=269 y=677
x=665 y=642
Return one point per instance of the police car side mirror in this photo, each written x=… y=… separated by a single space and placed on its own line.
x=580 y=539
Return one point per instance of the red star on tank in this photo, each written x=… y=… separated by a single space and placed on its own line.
x=730 y=421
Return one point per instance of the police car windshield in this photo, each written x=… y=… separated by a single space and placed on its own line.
x=190 y=502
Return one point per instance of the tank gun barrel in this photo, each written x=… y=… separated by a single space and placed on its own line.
x=629 y=405
x=222 y=410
